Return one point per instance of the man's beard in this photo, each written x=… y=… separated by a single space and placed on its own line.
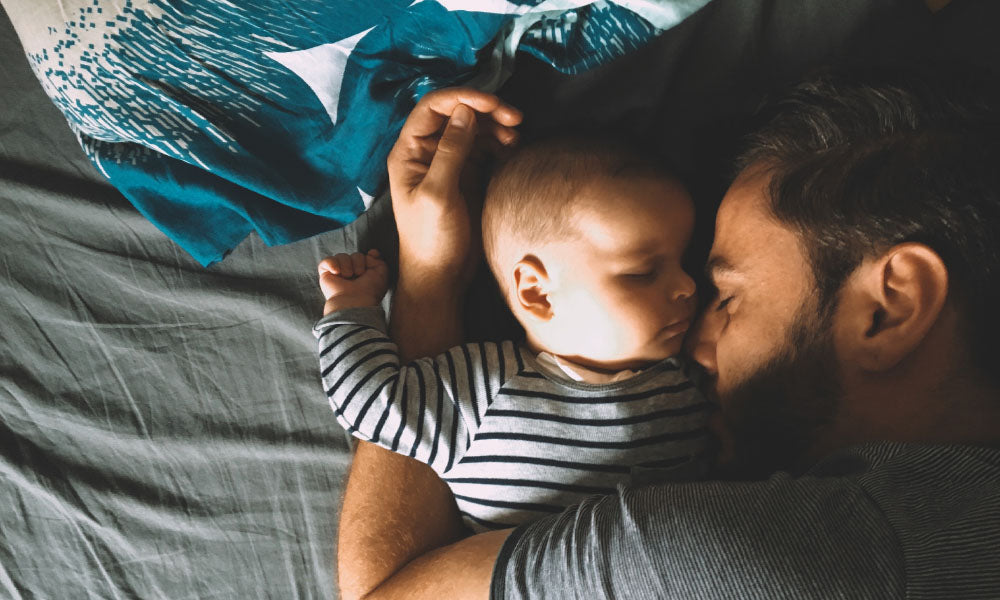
x=775 y=415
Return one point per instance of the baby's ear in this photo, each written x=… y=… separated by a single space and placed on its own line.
x=531 y=288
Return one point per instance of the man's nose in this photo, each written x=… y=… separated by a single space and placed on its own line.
x=702 y=340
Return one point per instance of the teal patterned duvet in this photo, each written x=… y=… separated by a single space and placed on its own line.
x=217 y=118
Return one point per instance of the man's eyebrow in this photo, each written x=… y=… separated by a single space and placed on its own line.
x=718 y=265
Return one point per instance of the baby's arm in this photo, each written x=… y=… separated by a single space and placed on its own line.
x=359 y=363
x=426 y=410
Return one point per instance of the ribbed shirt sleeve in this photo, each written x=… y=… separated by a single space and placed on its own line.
x=782 y=538
x=429 y=409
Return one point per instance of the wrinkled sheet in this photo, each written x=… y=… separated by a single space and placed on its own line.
x=163 y=433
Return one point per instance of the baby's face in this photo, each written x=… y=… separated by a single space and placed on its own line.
x=620 y=296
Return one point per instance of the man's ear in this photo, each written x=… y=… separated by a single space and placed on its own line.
x=531 y=283
x=890 y=304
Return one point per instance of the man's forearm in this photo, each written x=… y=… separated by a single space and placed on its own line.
x=395 y=508
x=426 y=316
x=460 y=570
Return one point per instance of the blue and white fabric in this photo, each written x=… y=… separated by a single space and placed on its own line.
x=217 y=118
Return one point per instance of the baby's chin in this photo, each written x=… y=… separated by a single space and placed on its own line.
x=641 y=359
x=667 y=345
x=657 y=349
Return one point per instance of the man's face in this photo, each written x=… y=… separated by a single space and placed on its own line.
x=764 y=339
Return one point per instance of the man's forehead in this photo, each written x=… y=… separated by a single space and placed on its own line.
x=745 y=231
x=745 y=202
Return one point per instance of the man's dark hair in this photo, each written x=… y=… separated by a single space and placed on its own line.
x=860 y=163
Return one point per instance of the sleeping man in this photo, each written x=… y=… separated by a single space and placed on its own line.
x=586 y=239
x=857 y=259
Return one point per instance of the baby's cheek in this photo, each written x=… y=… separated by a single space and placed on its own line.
x=604 y=331
x=636 y=327
x=598 y=331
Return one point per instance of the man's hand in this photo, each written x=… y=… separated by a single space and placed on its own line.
x=353 y=280
x=438 y=225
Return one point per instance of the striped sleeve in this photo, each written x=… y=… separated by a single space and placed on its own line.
x=429 y=409
x=781 y=538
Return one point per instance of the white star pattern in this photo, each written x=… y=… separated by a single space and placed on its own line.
x=366 y=199
x=322 y=68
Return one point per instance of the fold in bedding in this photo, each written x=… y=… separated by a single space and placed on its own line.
x=218 y=118
x=163 y=432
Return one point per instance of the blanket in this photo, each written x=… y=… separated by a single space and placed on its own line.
x=218 y=118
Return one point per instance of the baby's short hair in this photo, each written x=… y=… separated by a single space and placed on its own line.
x=531 y=195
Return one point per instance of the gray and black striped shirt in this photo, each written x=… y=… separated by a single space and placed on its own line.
x=882 y=520
x=512 y=442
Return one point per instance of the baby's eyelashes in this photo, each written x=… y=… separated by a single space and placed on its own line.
x=640 y=276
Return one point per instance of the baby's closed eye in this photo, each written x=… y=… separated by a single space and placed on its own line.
x=639 y=275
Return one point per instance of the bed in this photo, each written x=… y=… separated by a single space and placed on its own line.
x=163 y=433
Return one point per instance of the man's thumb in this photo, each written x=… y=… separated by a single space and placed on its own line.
x=453 y=149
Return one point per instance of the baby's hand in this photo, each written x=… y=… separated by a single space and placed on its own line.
x=353 y=280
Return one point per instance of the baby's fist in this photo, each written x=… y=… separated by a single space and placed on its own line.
x=353 y=280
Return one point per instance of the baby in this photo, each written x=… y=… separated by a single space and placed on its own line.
x=586 y=242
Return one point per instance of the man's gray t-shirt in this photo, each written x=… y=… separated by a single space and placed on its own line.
x=876 y=521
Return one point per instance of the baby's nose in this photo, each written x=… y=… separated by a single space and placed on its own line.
x=684 y=288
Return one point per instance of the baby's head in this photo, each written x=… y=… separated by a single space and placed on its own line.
x=586 y=239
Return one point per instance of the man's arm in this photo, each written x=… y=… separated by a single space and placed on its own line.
x=395 y=508
x=461 y=570
x=813 y=537
x=779 y=538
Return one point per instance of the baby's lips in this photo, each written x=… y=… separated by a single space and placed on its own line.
x=677 y=327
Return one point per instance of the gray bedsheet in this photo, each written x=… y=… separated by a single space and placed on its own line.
x=163 y=433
